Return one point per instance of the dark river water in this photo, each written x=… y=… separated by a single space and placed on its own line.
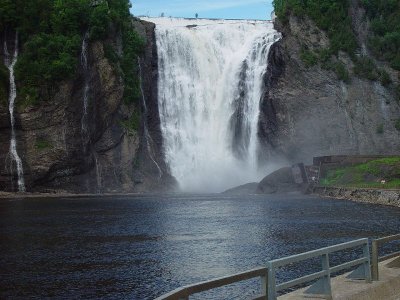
x=141 y=247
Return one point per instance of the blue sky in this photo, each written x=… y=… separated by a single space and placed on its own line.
x=227 y=9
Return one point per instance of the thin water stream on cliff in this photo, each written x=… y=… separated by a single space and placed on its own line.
x=10 y=62
x=143 y=246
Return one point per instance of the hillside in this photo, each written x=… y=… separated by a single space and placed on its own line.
x=379 y=173
x=79 y=119
x=327 y=93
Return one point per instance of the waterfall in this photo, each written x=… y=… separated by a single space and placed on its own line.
x=98 y=174
x=85 y=67
x=10 y=64
x=210 y=86
x=147 y=136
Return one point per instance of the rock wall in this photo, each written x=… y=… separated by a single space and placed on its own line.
x=112 y=157
x=373 y=196
x=308 y=112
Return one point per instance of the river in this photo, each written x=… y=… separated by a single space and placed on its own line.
x=139 y=247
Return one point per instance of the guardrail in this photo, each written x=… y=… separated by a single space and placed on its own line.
x=375 y=255
x=323 y=285
x=269 y=288
x=183 y=293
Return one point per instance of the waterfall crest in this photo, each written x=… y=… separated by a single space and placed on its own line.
x=210 y=86
x=10 y=62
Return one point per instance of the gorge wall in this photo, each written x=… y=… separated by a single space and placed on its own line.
x=119 y=151
x=87 y=139
x=308 y=111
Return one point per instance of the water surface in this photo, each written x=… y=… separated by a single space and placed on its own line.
x=141 y=247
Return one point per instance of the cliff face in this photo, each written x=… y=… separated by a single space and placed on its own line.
x=59 y=154
x=308 y=112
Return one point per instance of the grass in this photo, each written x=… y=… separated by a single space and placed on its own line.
x=366 y=175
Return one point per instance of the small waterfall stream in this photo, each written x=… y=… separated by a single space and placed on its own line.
x=210 y=85
x=86 y=88
x=10 y=62
x=85 y=114
x=146 y=129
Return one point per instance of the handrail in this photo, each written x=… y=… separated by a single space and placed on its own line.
x=323 y=285
x=269 y=288
x=375 y=255
x=183 y=293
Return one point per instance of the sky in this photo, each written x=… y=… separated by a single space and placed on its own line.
x=224 y=9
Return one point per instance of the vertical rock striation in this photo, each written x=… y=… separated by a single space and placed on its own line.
x=307 y=111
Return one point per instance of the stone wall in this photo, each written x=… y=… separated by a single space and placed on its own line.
x=373 y=196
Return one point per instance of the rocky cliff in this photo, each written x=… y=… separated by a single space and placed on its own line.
x=307 y=111
x=119 y=151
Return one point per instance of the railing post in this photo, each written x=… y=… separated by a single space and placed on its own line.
x=264 y=284
x=271 y=282
x=374 y=263
x=327 y=281
x=367 y=264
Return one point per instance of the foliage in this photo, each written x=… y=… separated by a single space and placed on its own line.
x=133 y=45
x=50 y=34
x=367 y=174
x=384 y=77
x=364 y=67
x=308 y=57
x=329 y=15
x=133 y=123
x=385 y=24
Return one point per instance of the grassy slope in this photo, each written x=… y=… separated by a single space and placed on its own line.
x=368 y=175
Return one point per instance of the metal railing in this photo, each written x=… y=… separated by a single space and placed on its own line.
x=375 y=254
x=269 y=288
x=323 y=285
x=183 y=293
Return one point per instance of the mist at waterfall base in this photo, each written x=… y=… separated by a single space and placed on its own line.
x=211 y=81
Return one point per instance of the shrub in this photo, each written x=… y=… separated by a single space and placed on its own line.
x=364 y=67
x=308 y=57
x=384 y=77
x=341 y=72
x=329 y=15
x=385 y=24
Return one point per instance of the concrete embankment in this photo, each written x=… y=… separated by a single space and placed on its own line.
x=387 y=288
x=373 y=196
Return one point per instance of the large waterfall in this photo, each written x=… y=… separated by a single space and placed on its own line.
x=210 y=86
x=10 y=62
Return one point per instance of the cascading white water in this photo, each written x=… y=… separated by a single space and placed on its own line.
x=210 y=86
x=84 y=63
x=10 y=62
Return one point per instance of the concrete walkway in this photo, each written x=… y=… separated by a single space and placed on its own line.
x=387 y=288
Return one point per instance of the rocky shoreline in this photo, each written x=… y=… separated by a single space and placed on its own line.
x=387 y=197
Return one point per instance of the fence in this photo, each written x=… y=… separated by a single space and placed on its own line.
x=375 y=253
x=183 y=293
x=322 y=284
